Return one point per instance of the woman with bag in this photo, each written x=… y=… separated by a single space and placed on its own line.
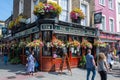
x=102 y=66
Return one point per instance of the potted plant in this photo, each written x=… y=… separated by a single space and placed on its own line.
x=49 y=10
x=76 y=15
x=83 y=62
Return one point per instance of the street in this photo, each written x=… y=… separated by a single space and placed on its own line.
x=17 y=72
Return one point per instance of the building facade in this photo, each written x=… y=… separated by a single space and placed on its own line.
x=108 y=27
x=118 y=15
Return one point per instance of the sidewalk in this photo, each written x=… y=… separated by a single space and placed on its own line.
x=17 y=72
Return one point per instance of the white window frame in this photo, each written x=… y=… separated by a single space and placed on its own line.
x=119 y=8
x=88 y=12
x=69 y=9
x=105 y=23
x=112 y=8
x=101 y=3
x=33 y=17
x=113 y=24
x=21 y=6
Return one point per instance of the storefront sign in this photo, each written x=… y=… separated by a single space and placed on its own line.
x=74 y=31
x=27 y=31
x=46 y=27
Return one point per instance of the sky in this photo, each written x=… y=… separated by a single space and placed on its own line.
x=6 y=9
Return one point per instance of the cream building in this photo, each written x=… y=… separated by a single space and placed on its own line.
x=118 y=15
x=2 y=24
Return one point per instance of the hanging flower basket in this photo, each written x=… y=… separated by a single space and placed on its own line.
x=35 y=43
x=76 y=15
x=99 y=43
x=85 y=44
x=47 y=10
x=57 y=43
x=74 y=43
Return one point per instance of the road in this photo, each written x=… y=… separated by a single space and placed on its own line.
x=17 y=72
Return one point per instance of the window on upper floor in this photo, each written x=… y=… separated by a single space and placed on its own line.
x=33 y=17
x=85 y=8
x=103 y=24
x=111 y=25
x=118 y=8
x=110 y=4
x=21 y=6
x=65 y=11
x=102 y=2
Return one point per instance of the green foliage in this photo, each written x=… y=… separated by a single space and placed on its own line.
x=83 y=62
x=15 y=60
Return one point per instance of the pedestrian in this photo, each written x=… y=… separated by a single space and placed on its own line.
x=90 y=65
x=5 y=55
x=110 y=59
x=118 y=54
x=31 y=63
x=63 y=54
x=102 y=66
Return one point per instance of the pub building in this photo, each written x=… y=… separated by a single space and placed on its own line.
x=48 y=29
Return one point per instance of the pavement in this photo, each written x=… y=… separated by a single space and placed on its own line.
x=17 y=72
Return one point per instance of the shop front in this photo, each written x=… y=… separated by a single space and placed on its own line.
x=46 y=31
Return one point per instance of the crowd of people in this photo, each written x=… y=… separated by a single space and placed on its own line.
x=103 y=64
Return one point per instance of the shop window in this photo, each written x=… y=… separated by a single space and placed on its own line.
x=35 y=36
x=47 y=36
x=76 y=51
x=62 y=37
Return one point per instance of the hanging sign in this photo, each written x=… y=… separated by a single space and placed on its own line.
x=98 y=18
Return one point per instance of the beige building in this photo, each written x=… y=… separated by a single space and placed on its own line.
x=2 y=24
x=26 y=7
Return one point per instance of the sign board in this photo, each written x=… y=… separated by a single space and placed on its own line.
x=4 y=30
x=98 y=18
x=73 y=31
x=27 y=31
x=46 y=27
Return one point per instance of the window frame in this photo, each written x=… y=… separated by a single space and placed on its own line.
x=119 y=8
x=101 y=3
x=68 y=11
x=109 y=6
x=21 y=7
x=104 y=23
x=110 y=29
x=87 y=11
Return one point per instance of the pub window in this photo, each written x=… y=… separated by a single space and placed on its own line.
x=47 y=36
x=62 y=37
x=35 y=36
x=76 y=51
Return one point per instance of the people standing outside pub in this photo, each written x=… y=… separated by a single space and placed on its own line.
x=102 y=66
x=110 y=59
x=63 y=54
x=90 y=65
x=31 y=63
x=5 y=55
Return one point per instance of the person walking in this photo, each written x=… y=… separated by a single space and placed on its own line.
x=90 y=65
x=5 y=55
x=102 y=66
x=31 y=63
x=110 y=59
